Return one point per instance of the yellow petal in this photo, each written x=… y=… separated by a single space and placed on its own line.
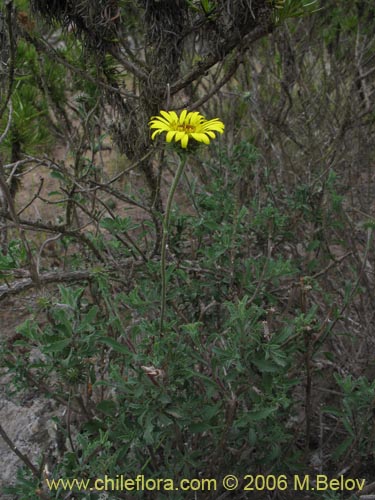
x=174 y=116
x=201 y=138
x=215 y=120
x=154 y=134
x=179 y=136
x=214 y=126
x=184 y=141
x=161 y=125
x=166 y=115
x=170 y=135
x=188 y=118
x=183 y=116
x=195 y=118
x=160 y=121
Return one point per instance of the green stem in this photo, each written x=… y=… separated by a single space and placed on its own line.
x=164 y=240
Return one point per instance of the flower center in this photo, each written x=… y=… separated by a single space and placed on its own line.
x=186 y=128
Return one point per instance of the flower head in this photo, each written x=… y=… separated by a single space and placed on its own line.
x=189 y=125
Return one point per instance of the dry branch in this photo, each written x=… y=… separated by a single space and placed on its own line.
x=44 y=279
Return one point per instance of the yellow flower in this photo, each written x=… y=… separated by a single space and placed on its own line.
x=189 y=125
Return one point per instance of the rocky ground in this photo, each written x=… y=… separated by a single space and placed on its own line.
x=24 y=416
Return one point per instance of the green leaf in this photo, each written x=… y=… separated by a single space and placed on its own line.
x=57 y=346
x=108 y=407
x=116 y=346
x=57 y=175
x=117 y=224
x=198 y=427
x=342 y=448
x=262 y=414
x=174 y=413
x=266 y=365
x=332 y=411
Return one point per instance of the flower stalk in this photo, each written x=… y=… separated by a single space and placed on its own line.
x=164 y=241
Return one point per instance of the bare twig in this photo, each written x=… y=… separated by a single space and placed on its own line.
x=36 y=195
x=40 y=226
x=9 y=122
x=202 y=66
x=51 y=277
x=130 y=66
x=20 y=455
x=228 y=75
x=13 y=213
x=49 y=240
x=352 y=293
x=12 y=52
x=44 y=279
